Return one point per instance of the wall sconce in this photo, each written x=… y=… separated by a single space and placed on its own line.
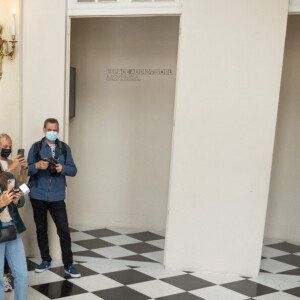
x=4 y=51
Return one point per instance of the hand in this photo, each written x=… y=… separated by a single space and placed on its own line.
x=17 y=197
x=42 y=165
x=23 y=163
x=6 y=198
x=59 y=168
x=15 y=163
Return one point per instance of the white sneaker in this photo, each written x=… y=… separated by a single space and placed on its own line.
x=6 y=283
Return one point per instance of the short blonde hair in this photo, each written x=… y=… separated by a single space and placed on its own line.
x=4 y=136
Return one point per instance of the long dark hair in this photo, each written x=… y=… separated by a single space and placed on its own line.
x=3 y=179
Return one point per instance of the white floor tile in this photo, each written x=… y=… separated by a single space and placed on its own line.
x=157 y=256
x=106 y=267
x=126 y=230
x=282 y=276
x=95 y=283
x=277 y=296
x=56 y=263
x=80 y=236
x=157 y=243
x=44 y=277
x=274 y=266
x=271 y=252
x=276 y=282
x=218 y=293
x=217 y=278
x=159 y=271
x=86 y=258
x=113 y=252
x=155 y=288
x=120 y=240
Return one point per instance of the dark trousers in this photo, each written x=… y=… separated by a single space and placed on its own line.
x=59 y=215
x=6 y=266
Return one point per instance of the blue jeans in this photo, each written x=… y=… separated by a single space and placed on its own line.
x=15 y=255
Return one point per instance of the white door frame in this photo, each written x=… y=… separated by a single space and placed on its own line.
x=102 y=13
x=138 y=10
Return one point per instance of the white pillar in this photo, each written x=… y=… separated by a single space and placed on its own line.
x=229 y=70
x=43 y=87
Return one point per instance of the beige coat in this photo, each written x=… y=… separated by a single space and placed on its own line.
x=19 y=173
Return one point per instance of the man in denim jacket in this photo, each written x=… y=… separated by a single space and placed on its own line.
x=49 y=162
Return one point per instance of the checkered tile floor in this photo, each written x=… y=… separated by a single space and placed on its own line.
x=118 y=264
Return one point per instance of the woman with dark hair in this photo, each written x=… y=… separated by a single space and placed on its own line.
x=14 y=250
x=19 y=168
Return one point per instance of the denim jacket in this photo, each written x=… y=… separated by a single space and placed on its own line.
x=46 y=187
x=13 y=209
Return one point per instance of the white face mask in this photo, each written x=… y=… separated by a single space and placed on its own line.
x=51 y=136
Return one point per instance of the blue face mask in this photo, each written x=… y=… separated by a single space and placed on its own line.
x=51 y=136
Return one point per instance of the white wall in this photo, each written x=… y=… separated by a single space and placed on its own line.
x=10 y=106
x=121 y=135
x=43 y=87
x=229 y=69
x=283 y=220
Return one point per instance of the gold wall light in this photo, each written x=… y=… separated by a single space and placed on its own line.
x=4 y=47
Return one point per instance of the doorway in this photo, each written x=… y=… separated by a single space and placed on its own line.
x=121 y=133
x=282 y=231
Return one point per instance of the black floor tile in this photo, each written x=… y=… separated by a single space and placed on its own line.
x=93 y=244
x=101 y=232
x=294 y=292
x=187 y=282
x=120 y=293
x=141 y=248
x=263 y=271
x=72 y=229
x=84 y=271
x=59 y=289
x=181 y=296
x=287 y=247
x=146 y=236
x=249 y=288
x=87 y=253
x=291 y=272
x=137 y=258
x=31 y=265
x=128 y=276
x=289 y=259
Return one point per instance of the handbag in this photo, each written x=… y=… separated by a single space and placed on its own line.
x=8 y=233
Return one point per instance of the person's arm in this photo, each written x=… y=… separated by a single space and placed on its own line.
x=13 y=165
x=69 y=167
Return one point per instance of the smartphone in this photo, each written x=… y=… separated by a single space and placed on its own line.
x=21 y=152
